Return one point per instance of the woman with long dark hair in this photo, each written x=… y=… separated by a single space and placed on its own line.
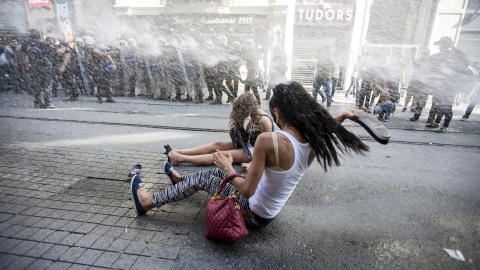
x=243 y=139
x=280 y=158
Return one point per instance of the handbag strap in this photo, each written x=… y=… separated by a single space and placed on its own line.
x=275 y=148
x=224 y=183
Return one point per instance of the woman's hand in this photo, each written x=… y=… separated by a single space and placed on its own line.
x=349 y=114
x=223 y=162
x=246 y=166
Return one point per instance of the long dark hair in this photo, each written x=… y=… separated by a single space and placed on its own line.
x=299 y=110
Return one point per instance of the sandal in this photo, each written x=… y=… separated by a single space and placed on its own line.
x=134 y=171
x=167 y=150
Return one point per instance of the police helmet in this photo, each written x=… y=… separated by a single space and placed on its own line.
x=249 y=44
x=209 y=45
x=132 y=42
x=49 y=35
x=236 y=45
x=34 y=34
x=79 y=40
x=89 y=40
x=221 y=40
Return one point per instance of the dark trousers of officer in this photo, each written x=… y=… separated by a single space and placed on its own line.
x=231 y=77
x=79 y=83
x=441 y=106
x=118 y=77
x=130 y=78
x=41 y=78
x=159 y=84
x=365 y=94
x=419 y=93
x=197 y=86
x=56 y=79
x=146 y=81
x=219 y=88
x=67 y=79
x=101 y=79
x=24 y=82
x=210 y=81
x=251 y=83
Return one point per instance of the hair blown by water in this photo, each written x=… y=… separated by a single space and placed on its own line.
x=242 y=107
x=298 y=109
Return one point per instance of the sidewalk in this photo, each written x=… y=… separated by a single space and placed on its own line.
x=70 y=207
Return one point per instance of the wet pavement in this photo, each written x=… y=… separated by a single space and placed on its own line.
x=65 y=200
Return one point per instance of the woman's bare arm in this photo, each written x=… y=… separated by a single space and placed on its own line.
x=248 y=186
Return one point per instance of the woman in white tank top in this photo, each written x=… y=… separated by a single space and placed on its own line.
x=280 y=158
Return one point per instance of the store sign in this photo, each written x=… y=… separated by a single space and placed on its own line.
x=324 y=15
x=216 y=20
x=40 y=4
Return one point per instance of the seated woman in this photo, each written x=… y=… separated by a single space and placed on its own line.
x=241 y=146
x=280 y=158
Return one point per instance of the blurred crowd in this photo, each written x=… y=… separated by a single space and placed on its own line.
x=377 y=83
x=183 y=69
x=162 y=68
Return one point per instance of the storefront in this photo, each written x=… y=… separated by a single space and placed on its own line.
x=13 y=18
x=201 y=27
x=18 y=16
x=317 y=27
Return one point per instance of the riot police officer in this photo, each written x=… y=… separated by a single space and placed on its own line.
x=39 y=67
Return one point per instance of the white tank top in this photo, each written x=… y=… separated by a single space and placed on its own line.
x=275 y=187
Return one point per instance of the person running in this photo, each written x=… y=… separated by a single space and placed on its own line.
x=280 y=159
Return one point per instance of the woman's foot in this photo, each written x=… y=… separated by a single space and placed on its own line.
x=141 y=198
x=174 y=176
x=134 y=171
x=167 y=150
x=174 y=158
x=145 y=199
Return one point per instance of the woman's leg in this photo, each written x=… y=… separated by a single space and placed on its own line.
x=206 y=149
x=208 y=180
x=238 y=156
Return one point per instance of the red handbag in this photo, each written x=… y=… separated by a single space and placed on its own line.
x=224 y=217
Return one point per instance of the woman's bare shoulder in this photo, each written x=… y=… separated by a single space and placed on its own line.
x=264 y=139
x=265 y=123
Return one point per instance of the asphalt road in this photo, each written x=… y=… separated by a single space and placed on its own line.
x=397 y=207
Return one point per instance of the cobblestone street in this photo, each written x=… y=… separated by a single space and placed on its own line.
x=73 y=207
x=65 y=200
